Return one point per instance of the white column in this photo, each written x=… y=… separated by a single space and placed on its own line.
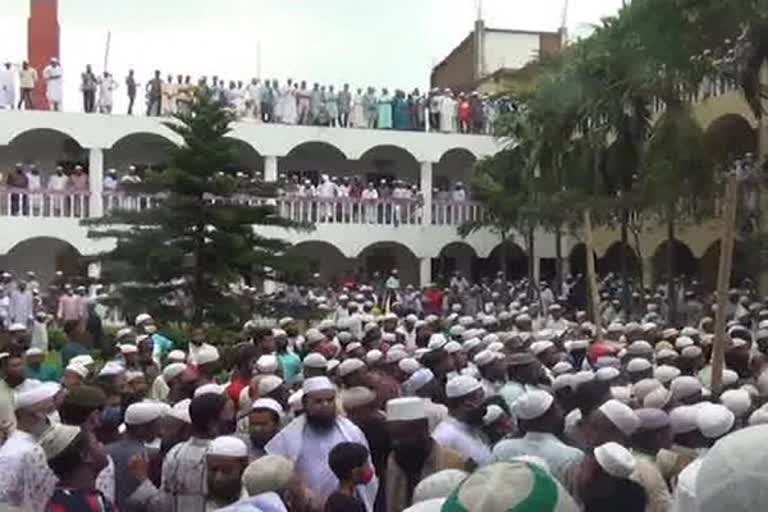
x=426 y=193
x=537 y=269
x=96 y=182
x=270 y=169
x=425 y=271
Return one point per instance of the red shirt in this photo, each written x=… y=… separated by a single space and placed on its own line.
x=465 y=110
x=235 y=388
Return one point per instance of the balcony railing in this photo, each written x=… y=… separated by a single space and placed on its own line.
x=44 y=203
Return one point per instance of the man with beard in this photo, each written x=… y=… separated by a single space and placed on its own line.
x=13 y=377
x=226 y=460
x=415 y=455
x=461 y=429
x=309 y=439
x=263 y=423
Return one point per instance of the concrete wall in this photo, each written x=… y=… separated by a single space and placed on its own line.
x=456 y=70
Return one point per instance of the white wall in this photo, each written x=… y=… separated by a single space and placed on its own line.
x=509 y=50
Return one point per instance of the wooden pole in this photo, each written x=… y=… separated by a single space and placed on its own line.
x=724 y=278
x=594 y=298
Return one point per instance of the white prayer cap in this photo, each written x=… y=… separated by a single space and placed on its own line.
x=669 y=333
x=34 y=351
x=652 y=419
x=456 y=330
x=714 y=420
x=642 y=387
x=111 y=369
x=683 y=419
x=689 y=331
x=562 y=367
x=35 y=394
x=484 y=358
x=563 y=381
x=607 y=373
x=314 y=336
x=141 y=413
x=419 y=353
x=180 y=411
x=294 y=401
x=122 y=333
x=268 y=403
x=177 y=356
x=615 y=460
x=228 y=446
x=615 y=327
x=730 y=377
x=638 y=365
x=408 y=365
x=77 y=369
x=396 y=355
x=85 y=360
x=332 y=365
x=622 y=393
x=285 y=321
x=621 y=416
x=640 y=347
x=471 y=344
x=267 y=363
x=666 y=373
x=207 y=354
x=132 y=375
x=732 y=474
x=737 y=401
x=691 y=352
x=173 y=370
x=373 y=356
x=572 y=420
x=406 y=409
x=684 y=387
x=349 y=366
x=315 y=384
x=411 y=318
x=666 y=353
x=353 y=346
x=315 y=360
x=57 y=438
x=657 y=399
x=438 y=485
x=358 y=396
x=582 y=377
x=492 y=413
x=368 y=327
x=279 y=333
x=418 y=380
x=545 y=335
x=209 y=388
x=436 y=341
x=389 y=337
x=532 y=404
x=496 y=346
x=325 y=325
x=268 y=384
x=537 y=347
x=461 y=386
x=128 y=348
x=270 y=473
x=465 y=321
x=576 y=345
x=491 y=338
x=452 y=347
x=683 y=341
x=759 y=416
x=141 y=318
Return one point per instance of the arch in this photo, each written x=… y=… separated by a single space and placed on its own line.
x=577 y=260
x=44 y=147
x=382 y=257
x=390 y=162
x=728 y=137
x=455 y=165
x=142 y=149
x=249 y=160
x=455 y=257
x=458 y=153
x=745 y=264
x=685 y=263
x=611 y=261
x=43 y=255
x=43 y=131
x=508 y=257
x=312 y=157
x=321 y=258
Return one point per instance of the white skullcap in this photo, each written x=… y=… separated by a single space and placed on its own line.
x=615 y=460
x=228 y=446
x=314 y=336
x=562 y=367
x=732 y=475
x=683 y=342
x=77 y=369
x=315 y=360
x=669 y=333
x=563 y=381
x=582 y=377
x=657 y=399
x=492 y=413
x=484 y=358
x=730 y=377
x=180 y=411
x=418 y=380
x=638 y=365
x=34 y=351
x=572 y=420
x=691 y=352
x=269 y=404
x=128 y=348
x=438 y=485
x=173 y=370
x=279 y=333
x=622 y=393
x=396 y=355
x=456 y=330
x=209 y=388
x=85 y=360
x=490 y=338
x=576 y=345
x=537 y=347
x=141 y=413
x=666 y=373
x=411 y=318
x=737 y=401
x=177 y=356
x=359 y=396
x=471 y=344
x=714 y=420
x=370 y=326
x=35 y=394
x=683 y=418
x=621 y=416
x=268 y=384
x=406 y=409
x=57 y=438
x=389 y=337
x=640 y=347
x=653 y=419
x=285 y=321
x=353 y=346
x=207 y=354
x=325 y=325
x=461 y=386
x=496 y=346
x=111 y=369
x=349 y=366
x=607 y=373
x=121 y=333
x=332 y=365
x=666 y=353
x=408 y=365
x=642 y=387
x=141 y=318
x=294 y=401
x=268 y=474
x=465 y=321
x=759 y=416
x=267 y=363
x=373 y=356
x=452 y=347
x=132 y=375
x=532 y=404
x=684 y=387
x=436 y=341
x=315 y=384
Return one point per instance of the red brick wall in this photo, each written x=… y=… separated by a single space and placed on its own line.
x=42 y=41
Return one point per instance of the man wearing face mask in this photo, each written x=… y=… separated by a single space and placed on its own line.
x=196 y=345
x=263 y=423
x=461 y=429
x=308 y=439
x=415 y=455
x=161 y=345
x=25 y=479
x=226 y=460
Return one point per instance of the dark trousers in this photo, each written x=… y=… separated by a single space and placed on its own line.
x=153 y=106
x=434 y=120
x=344 y=119
x=131 y=99
x=266 y=112
x=26 y=99
x=89 y=101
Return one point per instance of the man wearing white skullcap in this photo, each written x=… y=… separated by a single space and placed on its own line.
x=226 y=460
x=168 y=378
x=737 y=401
x=270 y=477
x=460 y=430
x=686 y=390
x=308 y=439
x=540 y=418
x=207 y=364
x=315 y=365
x=74 y=374
x=437 y=485
x=639 y=369
x=493 y=371
x=25 y=479
x=264 y=421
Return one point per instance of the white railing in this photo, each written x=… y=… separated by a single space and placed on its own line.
x=133 y=202
x=383 y=212
x=16 y=202
x=456 y=213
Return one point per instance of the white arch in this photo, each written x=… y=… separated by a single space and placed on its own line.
x=16 y=230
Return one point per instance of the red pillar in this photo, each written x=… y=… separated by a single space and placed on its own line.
x=42 y=41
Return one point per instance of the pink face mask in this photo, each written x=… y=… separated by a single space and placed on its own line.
x=367 y=475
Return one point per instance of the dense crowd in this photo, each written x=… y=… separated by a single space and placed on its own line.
x=483 y=397
x=268 y=100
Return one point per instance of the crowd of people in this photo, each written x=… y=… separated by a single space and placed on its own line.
x=267 y=100
x=481 y=397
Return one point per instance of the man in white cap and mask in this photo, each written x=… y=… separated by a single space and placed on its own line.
x=415 y=455
x=461 y=429
x=25 y=479
x=541 y=419
x=226 y=460
x=308 y=440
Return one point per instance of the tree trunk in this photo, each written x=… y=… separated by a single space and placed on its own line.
x=559 y=260
x=625 y=293
x=671 y=270
x=503 y=257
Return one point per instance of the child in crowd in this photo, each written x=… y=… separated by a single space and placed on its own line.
x=350 y=462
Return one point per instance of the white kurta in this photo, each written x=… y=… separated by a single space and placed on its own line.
x=451 y=433
x=7 y=87
x=289 y=108
x=106 y=87
x=357 y=115
x=54 y=77
x=26 y=481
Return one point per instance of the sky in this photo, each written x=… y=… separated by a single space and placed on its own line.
x=393 y=43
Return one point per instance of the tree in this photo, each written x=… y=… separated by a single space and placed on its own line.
x=185 y=257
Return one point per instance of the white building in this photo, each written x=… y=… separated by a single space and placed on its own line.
x=42 y=231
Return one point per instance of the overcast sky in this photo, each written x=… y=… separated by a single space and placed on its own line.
x=390 y=43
